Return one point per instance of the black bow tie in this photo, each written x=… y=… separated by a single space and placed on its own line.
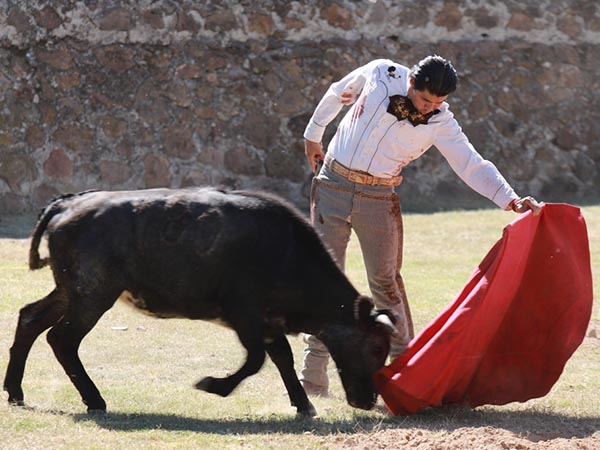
x=403 y=108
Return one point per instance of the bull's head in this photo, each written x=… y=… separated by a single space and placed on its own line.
x=359 y=351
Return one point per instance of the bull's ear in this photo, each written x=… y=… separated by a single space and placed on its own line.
x=363 y=306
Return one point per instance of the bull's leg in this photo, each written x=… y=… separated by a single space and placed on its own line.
x=65 y=338
x=34 y=319
x=281 y=354
x=250 y=335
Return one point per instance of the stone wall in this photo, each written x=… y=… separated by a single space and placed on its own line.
x=126 y=95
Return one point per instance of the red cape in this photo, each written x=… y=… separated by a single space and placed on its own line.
x=509 y=333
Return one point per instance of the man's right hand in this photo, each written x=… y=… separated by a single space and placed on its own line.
x=314 y=153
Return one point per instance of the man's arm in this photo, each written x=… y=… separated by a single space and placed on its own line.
x=314 y=153
x=478 y=173
x=341 y=93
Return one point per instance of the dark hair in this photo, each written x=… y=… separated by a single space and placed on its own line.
x=436 y=75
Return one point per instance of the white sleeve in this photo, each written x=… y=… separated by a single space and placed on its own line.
x=331 y=103
x=479 y=174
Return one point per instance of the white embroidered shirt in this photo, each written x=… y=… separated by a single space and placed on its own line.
x=372 y=140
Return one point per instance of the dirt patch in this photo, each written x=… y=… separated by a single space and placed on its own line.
x=485 y=428
x=483 y=438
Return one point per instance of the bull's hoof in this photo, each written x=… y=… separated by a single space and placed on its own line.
x=15 y=402
x=15 y=394
x=309 y=414
x=97 y=406
x=213 y=385
x=205 y=384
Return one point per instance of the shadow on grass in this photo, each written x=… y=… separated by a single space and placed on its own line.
x=535 y=425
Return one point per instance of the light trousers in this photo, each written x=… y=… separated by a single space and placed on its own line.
x=339 y=206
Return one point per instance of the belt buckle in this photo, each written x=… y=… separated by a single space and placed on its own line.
x=369 y=180
x=354 y=177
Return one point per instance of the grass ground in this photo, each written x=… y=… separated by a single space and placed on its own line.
x=145 y=369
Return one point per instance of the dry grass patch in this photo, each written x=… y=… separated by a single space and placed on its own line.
x=146 y=371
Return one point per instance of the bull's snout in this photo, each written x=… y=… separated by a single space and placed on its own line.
x=365 y=404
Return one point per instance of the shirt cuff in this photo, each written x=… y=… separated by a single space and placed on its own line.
x=504 y=196
x=314 y=132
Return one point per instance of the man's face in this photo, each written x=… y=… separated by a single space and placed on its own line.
x=424 y=101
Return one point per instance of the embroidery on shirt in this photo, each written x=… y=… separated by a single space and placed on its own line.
x=401 y=107
x=392 y=73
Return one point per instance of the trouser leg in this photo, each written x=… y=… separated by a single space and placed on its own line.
x=330 y=210
x=313 y=375
x=377 y=222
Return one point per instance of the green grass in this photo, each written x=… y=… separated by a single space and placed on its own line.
x=146 y=372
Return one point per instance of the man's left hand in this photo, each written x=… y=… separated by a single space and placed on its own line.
x=521 y=205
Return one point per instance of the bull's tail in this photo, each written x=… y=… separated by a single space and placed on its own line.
x=54 y=208
x=35 y=262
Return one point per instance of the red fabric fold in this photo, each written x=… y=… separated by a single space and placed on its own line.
x=509 y=333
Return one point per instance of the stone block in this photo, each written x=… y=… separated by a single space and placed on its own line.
x=115 y=57
x=118 y=19
x=338 y=16
x=48 y=18
x=18 y=170
x=58 y=166
x=156 y=171
x=243 y=160
x=115 y=173
x=74 y=136
x=449 y=17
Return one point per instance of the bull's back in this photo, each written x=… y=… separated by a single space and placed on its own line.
x=183 y=252
x=139 y=226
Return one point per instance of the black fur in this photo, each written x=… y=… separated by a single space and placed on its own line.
x=247 y=259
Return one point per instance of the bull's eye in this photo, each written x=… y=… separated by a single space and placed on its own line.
x=379 y=351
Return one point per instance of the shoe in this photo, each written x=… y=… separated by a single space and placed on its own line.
x=314 y=390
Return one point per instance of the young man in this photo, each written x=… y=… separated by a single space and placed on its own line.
x=397 y=114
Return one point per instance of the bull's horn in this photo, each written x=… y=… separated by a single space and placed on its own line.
x=385 y=320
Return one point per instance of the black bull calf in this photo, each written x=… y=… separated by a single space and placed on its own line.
x=246 y=260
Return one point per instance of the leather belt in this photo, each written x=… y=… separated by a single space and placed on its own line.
x=357 y=176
